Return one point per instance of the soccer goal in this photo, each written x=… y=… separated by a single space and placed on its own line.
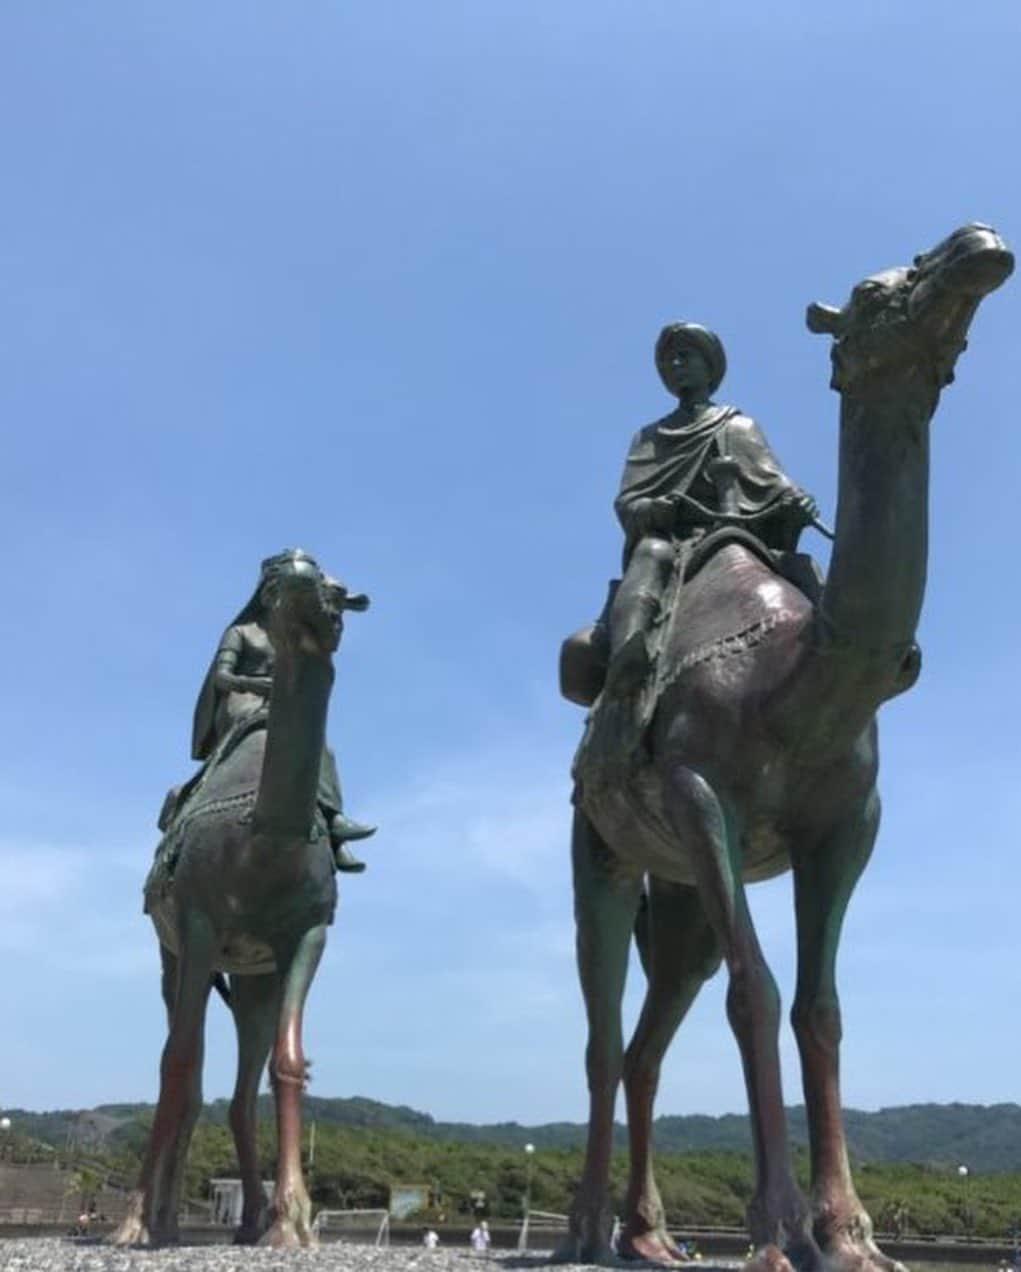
x=359 y=1227
x=542 y=1228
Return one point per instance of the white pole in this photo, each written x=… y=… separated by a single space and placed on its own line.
x=523 y=1238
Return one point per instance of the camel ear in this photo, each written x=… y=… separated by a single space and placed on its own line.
x=824 y=319
x=356 y=601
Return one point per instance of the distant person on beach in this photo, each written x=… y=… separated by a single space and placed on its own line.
x=431 y=1239
x=480 y=1238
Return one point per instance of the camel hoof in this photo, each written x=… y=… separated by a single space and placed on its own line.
x=657 y=1248
x=769 y=1258
x=251 y=1233
x=575 y=1249
x=850 y=1255
x=130 y=1232
x=287 y=1234
x=132 y=1229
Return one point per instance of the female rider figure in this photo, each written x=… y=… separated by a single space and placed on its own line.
x=238 y=684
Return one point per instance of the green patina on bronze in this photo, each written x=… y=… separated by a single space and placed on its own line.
x=733 y=737
x=244 y=884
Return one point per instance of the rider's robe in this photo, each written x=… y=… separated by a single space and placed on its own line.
x=669 y=458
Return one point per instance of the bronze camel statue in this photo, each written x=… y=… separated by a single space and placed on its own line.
x=244 y=884
x=761 y=757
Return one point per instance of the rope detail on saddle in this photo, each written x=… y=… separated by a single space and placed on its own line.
x=724 y=647
x=168 y=850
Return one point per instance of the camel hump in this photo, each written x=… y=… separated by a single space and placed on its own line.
x=719 y=607
x=225 y=786
x=233 y=767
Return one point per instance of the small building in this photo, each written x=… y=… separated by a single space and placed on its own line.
x=227 y=1199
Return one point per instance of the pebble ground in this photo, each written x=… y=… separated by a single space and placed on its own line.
x=53 y=1254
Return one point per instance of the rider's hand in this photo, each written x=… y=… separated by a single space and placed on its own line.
x=652 y=516
x=661 y=514
x=803 y=502
x=640 y=518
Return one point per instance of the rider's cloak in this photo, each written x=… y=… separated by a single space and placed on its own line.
x=669 y=458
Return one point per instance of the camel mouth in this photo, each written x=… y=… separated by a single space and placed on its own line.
x=970 y=263
x=982 y=271
x=321 y=619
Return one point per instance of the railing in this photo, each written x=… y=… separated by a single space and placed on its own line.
x=27 y=1215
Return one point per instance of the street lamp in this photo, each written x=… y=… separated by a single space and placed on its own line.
x=963 y=1172
x=527 y=1203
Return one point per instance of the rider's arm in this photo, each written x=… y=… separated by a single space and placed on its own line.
x=748 y=444
x=225 y=676
x=635 y=512
x=787 y=507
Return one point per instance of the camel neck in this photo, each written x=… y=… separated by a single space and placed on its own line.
x=295 y=736
x=873 y=594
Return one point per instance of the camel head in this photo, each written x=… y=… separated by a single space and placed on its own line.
x=910 y=324
x=304 y=607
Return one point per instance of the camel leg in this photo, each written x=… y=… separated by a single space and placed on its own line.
x=779 y=1218
x=292 y=1209
x=168 y=982
x=605 y=905
x=682 y=952
x=152 y=1211
x=255 y=1001
x=825 y=874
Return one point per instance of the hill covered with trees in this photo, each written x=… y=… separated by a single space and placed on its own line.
x=983 y=1137
x=907 y=1159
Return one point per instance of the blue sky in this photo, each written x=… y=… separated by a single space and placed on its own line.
x=384 y=281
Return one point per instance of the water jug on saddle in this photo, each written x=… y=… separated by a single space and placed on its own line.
x=702 y=467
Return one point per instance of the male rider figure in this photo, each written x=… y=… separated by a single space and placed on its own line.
x=668 y=492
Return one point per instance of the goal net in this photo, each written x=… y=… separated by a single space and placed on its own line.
x=542 y=1228
x=359 y=1227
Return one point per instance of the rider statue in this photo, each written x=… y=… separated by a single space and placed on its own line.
x=237 y=685
x=702 y=465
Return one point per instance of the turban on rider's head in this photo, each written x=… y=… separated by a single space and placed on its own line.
x=698 y=337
